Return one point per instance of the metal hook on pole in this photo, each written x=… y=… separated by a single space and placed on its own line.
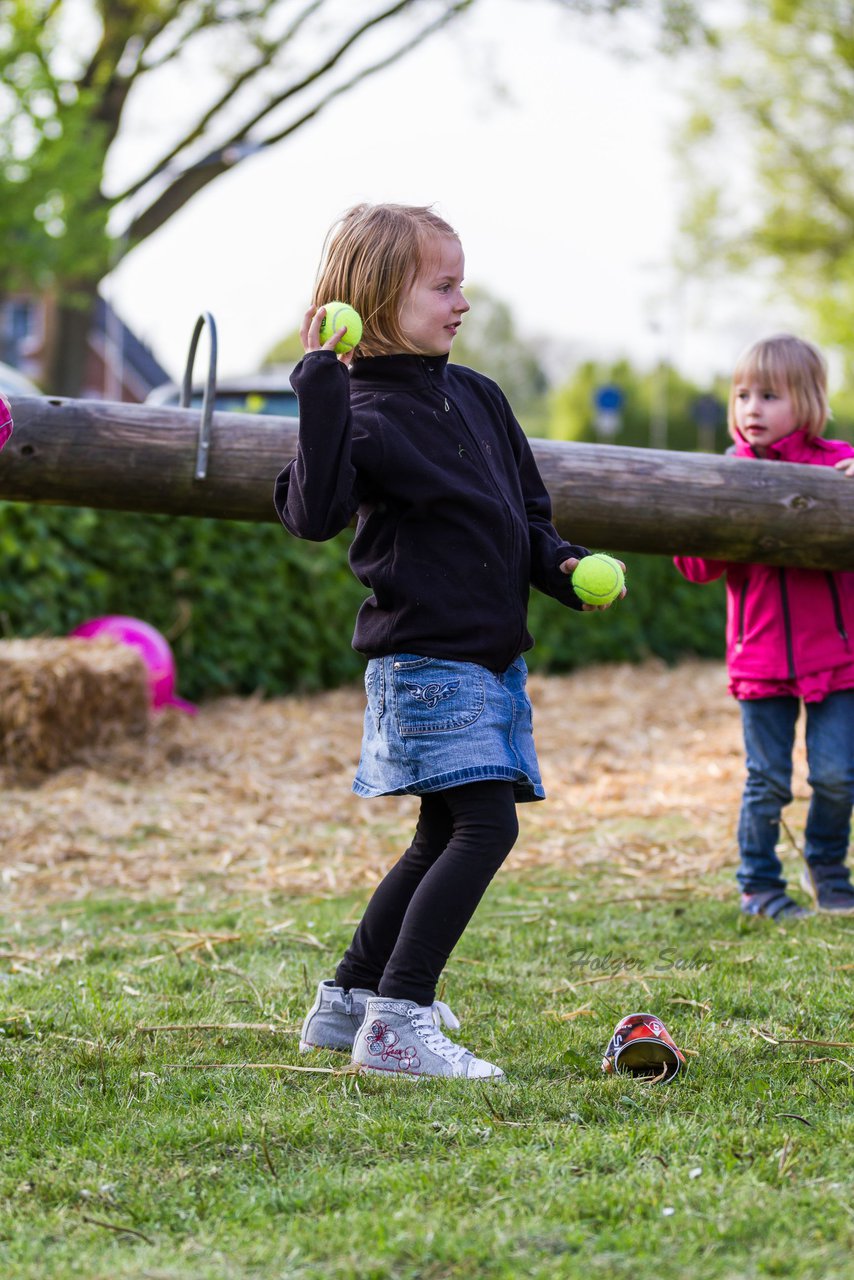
x=209 y=394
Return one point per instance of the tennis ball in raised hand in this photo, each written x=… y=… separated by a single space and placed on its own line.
x=339 y=314
x=598 y=579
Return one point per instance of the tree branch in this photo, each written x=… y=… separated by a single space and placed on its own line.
x=818 y=176
x=240 y=135
x=228 y=155
x=236 y=85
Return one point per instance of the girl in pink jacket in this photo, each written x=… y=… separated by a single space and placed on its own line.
x=790 y=640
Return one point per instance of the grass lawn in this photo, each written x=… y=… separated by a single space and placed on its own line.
x=198 y=1151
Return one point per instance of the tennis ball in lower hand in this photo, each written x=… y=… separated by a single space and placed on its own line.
x=339 y=314
x=598 y=579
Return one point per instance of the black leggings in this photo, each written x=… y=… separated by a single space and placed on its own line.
x=419 y=911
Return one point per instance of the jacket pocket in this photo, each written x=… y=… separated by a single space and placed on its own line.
x=434 y=695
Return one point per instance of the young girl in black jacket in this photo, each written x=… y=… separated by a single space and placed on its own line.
x=453 y=526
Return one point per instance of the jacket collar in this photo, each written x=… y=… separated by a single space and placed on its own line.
x=795 y=447
x=414 y=372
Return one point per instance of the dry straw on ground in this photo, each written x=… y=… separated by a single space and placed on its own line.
x=642 y=765
x=62 y=696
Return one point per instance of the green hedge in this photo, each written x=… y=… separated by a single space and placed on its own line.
x=662 y=616
x=246 y=607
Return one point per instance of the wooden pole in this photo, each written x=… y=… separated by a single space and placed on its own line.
x=139 y=458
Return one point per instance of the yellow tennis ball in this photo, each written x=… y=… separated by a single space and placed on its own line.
x=339 y=314
x=598 y=579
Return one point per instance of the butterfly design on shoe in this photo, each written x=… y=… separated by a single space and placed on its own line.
x=381 y=1044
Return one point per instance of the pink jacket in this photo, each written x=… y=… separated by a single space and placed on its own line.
x=784 y=624
x=5 y=421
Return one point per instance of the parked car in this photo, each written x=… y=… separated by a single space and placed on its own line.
x=13 y=383
x=269 y=392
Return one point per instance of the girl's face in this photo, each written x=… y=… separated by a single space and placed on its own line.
x=762 y=415
x=433 y=306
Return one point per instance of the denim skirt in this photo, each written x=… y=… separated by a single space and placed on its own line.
x=431 y=723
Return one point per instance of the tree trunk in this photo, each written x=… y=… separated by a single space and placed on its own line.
x=66 y=349
x=140 y=458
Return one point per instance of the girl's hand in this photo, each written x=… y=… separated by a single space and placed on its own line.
x=846 y=466
x=568 y=566
x=310 y=334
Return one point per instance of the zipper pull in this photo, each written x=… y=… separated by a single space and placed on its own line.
x=447 y=406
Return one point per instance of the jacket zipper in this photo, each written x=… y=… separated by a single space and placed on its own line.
x=787 y=623
x=837 y=608
x=742 y=605
x=496 y=487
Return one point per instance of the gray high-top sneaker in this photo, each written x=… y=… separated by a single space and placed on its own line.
x=399 y=1037
x=334 y=1018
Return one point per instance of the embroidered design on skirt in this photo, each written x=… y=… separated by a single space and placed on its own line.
x=433 y=694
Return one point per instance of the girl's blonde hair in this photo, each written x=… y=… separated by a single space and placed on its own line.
x=790 y=364
x=371 y=256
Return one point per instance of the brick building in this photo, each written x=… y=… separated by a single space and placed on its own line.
x=118 y=365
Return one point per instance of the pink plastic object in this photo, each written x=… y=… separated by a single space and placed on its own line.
x=155 y=651
x=5 y=421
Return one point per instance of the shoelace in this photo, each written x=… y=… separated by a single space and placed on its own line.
x=427 y=1022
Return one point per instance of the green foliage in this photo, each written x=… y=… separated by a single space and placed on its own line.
x=489 y=342
x=767 y=153
x=658 y=408
x=247 y=607
x=52 y=143
x=287 y=350
x=244 y=606
x=133 y=1153
x=662 y=616
x=841 y=424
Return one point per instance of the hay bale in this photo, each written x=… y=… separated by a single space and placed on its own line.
x=61 y=697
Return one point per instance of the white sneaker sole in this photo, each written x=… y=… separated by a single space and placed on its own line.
x=422 y=1075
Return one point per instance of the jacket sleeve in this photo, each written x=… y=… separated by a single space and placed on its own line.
x=548 y=549
x=695 y=569
x=316 y=496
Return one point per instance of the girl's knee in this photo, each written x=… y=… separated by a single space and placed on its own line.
x=485 y=817
x=834 y=782
x=494 y=833
x=509 y=830
x=762 y=784
x=503 y=819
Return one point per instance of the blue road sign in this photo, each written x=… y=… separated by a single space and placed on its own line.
x=608 y=398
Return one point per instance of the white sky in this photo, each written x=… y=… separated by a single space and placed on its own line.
x=563 y=190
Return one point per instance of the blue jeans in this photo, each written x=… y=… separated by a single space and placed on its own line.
x=769 y=735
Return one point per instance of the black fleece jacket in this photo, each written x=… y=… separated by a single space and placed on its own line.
x=454 y=521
